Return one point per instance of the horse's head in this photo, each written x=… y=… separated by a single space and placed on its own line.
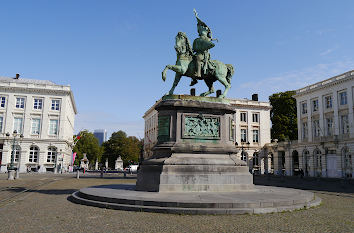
x=182 y=45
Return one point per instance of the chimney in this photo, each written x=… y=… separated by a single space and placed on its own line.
x=255 y=97
x=17 y=76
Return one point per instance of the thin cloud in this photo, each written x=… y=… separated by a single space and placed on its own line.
x=328 y=51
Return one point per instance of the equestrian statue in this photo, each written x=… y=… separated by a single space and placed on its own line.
x=195 y=62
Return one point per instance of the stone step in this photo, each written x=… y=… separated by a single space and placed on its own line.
x=207 y=203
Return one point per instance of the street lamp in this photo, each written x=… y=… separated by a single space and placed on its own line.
x=11 y=170
x=243 y=148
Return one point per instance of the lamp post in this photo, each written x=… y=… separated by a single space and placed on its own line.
x=11 y=170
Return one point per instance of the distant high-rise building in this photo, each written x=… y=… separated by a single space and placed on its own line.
x=101 y=135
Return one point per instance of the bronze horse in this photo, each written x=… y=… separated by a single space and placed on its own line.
x=185 y=66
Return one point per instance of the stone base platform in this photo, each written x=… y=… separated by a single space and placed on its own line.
x=262 y=199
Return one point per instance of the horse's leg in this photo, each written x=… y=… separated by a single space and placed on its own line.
x=164 y=73
x=175 y=83
x=175 y=68
x=211 y=89
x=226 y=84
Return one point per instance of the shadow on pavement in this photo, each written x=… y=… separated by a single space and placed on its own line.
x=307 y=183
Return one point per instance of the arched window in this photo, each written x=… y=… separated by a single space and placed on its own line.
x=52 y=153
x=347 y=162
x=33 y=155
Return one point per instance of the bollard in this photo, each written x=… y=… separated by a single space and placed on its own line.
x=101 y=173
x=77 y=174
x=125 y=174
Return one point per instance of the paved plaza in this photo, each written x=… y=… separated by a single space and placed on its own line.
x=38 y=203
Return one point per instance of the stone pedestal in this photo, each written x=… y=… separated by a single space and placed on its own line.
x=195 y=150
x=11 y=175
x=118 y=164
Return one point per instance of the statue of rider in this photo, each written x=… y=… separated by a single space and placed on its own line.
x=201 y=48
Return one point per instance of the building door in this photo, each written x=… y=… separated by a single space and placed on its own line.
x=331 y=166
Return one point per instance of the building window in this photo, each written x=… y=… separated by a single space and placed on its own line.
x=343 y=98
x=33 y=156
x=20 y=102
x=55 y=105
x=36 y=125
x=1 y=123
x=314 y=105
x=316 y=128
x=304 y=108
x=38 y=103
x=243 y=135
x=18 y=122
x=2 y=101
x=53 y=127
x=243 y=116
x=255 y=117
x=17 y=151
x=52 y=153
x=328 y=101
x=304 y=130
x=255 y=135
x=243 y=156
x=344 y=124
x=329 y=126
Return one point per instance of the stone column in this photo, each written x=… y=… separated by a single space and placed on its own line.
x=4 y=160
x=42 y=157
x=277 y=163
x=288 y=163
x=320 y=111
x=299 y=134
x=335 y=115
x=309 y=120
x=351 y=112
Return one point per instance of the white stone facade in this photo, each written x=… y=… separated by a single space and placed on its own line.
x=252 y=125
x=44 y=113
x=325 y=131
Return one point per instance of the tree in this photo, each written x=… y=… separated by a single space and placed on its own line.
x=283 y=116
x=88 y=144
x=119 y=144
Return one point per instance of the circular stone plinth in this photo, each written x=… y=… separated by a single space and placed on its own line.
x=263 y=199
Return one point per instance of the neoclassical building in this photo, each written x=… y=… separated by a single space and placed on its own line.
x=251 y=131
x=325 y=131
x=44 y=113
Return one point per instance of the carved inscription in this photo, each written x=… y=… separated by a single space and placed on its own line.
x=201 y=127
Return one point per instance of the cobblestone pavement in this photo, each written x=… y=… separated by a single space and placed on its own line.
x=44 y=207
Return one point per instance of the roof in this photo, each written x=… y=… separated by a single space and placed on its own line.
x=24 y=80
x=325 y=83
x=42 y=84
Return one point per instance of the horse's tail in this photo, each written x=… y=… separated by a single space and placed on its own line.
x=230 y=72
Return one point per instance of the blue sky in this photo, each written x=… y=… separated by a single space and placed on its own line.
x=112 y=52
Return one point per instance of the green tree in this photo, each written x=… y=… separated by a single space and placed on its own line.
x=283 y=116
x=119 y=144
x=88 y=144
